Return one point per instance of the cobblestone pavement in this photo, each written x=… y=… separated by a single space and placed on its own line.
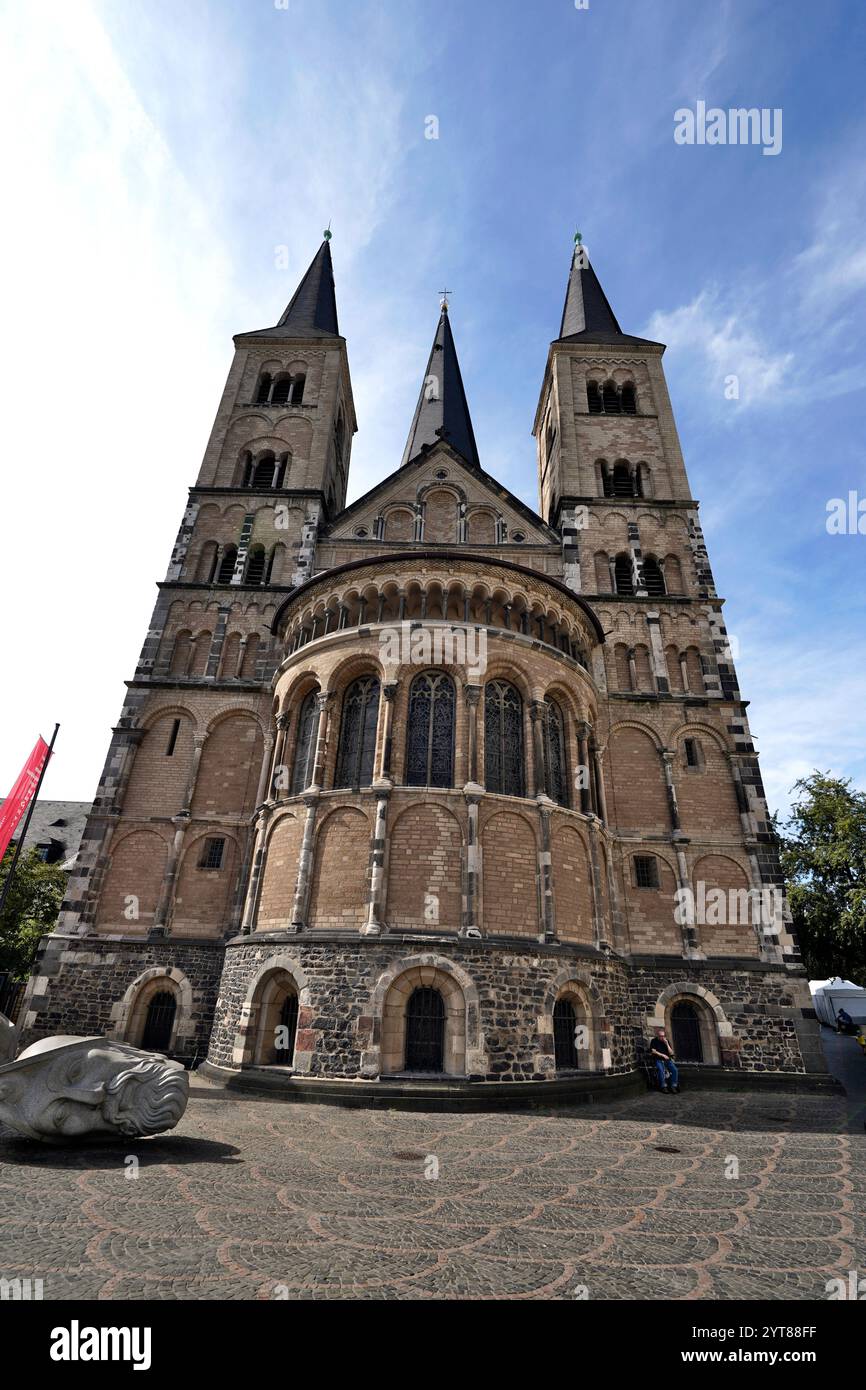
x=257 y=1199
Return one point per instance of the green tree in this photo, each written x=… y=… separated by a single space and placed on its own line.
x=30 y=910
x=823 y=847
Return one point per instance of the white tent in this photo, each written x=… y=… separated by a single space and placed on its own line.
x=831 y=995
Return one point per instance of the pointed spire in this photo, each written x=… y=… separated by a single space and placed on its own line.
x=586 y=314
x=442 y=411
x=312 y=309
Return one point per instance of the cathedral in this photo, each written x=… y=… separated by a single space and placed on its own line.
x=432 y=795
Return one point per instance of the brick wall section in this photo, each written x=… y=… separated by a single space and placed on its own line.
x=424 y=870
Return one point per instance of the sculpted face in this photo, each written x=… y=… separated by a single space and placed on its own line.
x=61 y=1089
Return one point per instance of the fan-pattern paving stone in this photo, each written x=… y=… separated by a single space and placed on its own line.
x=255 y=1199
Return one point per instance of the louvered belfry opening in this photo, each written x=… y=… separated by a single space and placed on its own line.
x=425 y=1031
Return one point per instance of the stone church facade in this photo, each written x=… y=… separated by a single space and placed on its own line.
x=433 y=788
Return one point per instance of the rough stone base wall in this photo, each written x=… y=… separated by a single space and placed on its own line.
x=771 y=1022
x=79 y=983
x=512 y=993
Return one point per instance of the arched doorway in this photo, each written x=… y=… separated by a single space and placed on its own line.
x=425 y=1031
x=276 y=1002
x=287 y=1027
x=564 y=1026
x=159 y=1021
x=686 y=1032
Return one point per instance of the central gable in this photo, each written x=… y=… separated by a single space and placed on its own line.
x=438 y=500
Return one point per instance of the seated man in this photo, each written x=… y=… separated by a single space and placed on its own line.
x=662 y=1054
x=844 y=1022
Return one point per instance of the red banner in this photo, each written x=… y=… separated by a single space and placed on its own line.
x=16 y=803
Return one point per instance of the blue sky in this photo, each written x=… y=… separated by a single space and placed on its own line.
x=161 y=153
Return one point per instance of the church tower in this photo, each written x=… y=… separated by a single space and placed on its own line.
x=433 y=787
x=166 y=849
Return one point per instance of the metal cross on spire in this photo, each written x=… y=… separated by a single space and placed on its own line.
x=445 y=294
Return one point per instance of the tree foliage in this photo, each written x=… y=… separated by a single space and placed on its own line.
x=30 y=910
x=823 y=846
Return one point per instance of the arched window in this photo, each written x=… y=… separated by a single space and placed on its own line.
x=564 y=1026
x=430 y=738
x=653 y=579
x=593 y=398
x=425 y=1031
x=264 y=390
x=298 y=390
x=227 y=565
x=503 y=739
x=610 y=399
x=159 y=1022
x=255 y=573
x=358 y=734
x=263 y=473
x=282 y=388
x=305 y=745
x=623 y=482
x=686 y=1030
x=627 y=400
x=555 y=766
x=624 y=575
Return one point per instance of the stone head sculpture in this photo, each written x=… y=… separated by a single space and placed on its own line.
x=66 y=1088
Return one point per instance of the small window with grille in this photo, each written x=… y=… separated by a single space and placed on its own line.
x=172 y=738
x=646 y=871
x=212 y=854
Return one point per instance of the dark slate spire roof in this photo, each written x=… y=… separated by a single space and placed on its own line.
x=586 y=316
x=312 y=310
x=442 y=411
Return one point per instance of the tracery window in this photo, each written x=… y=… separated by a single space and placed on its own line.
x=555 y=766
x=503 y=738
x=305 y=745
x=430 y=737
x=357 y=749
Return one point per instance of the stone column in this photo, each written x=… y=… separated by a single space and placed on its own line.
x=583 y=755
x=599 y=924
x=323 y=705
x=389 y=690
x=251 y=901
x=163 y=909
x=597 y=755
x=278 y=782
x=469 y=926
x=264 y=774
x=632 y=668
x=301 y=902
x=537 y=714
x=667 y=758
x=688 y=926
x=684 y=671
x=473 y=697
x=545 y=876
x=373 y=925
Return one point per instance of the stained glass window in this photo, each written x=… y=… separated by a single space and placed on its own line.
x=503 y=738
x=358 y=734
x=430 y=740
x=305 y=745
x=555 y=766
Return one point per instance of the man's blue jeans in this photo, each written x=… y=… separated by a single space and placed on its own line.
x=661 y=1064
